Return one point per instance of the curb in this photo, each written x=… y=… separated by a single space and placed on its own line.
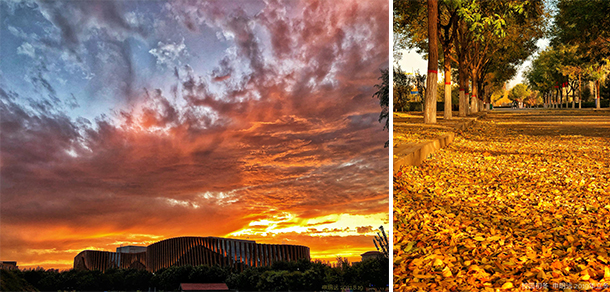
x=416 y=154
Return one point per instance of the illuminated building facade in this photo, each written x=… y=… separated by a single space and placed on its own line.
x=181 y=251
x=103 y=260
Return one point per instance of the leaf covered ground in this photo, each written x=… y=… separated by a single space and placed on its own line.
x=515 y=202
x=415 y=134
x=409 y=128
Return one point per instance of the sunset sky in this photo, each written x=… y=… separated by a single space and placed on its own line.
x=125 y=123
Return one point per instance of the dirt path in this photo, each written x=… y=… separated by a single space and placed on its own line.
x=521 y=199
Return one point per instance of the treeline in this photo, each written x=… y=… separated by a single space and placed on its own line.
x=576 y=65
x=410 y=89
x=477 y=43
x=302 y=275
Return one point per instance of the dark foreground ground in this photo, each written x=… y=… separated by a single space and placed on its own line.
x=521 y=200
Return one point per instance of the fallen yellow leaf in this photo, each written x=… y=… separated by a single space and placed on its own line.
x=447 y=272
x=437 y=262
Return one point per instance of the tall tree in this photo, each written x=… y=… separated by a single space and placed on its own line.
x=401 y=89
x=383 y=94
x=585 y=24
x=462 y=47
x=411 y=32
x=542 y=75
x=519 y=93
x=430 y=102
x=503 y=32
x=447 y=33
x=419 y=81
x=599 y=72
x=482 y=37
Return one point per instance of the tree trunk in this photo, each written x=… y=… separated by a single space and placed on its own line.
x=432 y=79
x=573 y=96
x=560 y=96
x=462 y=102
x=558 y=99
x=474 y=104
x=467 y=95
x=484 y=104
x=597 y=97
x=579 y=92
x=447 y=67
x=544 y=100
x=566 y=94
x=463 y=111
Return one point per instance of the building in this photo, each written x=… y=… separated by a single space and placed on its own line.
x=8 y=265
x=195 y=251
x=131 y=249
x=370 y=255
x=104 y=260
x=208 y=287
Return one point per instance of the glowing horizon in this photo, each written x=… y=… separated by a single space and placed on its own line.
x=327 y=255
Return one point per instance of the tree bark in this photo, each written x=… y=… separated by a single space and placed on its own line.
x=461 y=47
x=573 y=94
x=543 y=100
x=560 y=96
x=462 y=83
x=474 y=103
x=467 y=95
x=432 y=79
x=566 y=94
x=446 y=41
x=579 y=92
x=447 y=67
x=597 y=100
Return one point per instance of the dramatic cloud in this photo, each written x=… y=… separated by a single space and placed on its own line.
x=251 y=121
x=167 y=54
x=26 y=49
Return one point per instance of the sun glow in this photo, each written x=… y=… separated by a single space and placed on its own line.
x=329 y=225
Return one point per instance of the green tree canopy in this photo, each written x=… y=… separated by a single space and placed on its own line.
x=519 y=92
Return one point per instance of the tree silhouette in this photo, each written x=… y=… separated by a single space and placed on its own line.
x=383 y=94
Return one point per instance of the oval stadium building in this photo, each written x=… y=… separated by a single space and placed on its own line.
x=103 y=260
x=195 y=251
